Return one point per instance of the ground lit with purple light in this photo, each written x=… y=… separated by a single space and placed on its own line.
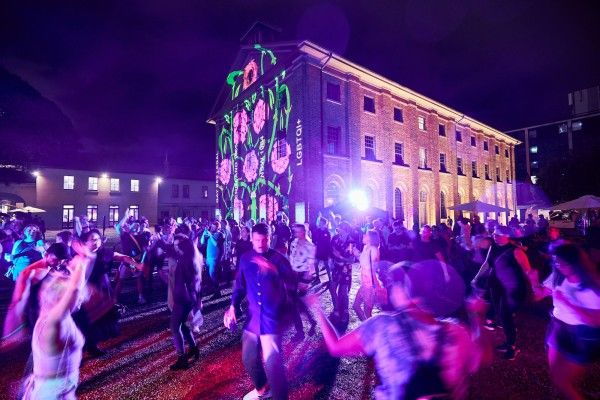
x=137 y=363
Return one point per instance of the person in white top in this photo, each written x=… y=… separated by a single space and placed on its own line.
x=56 y=341
x=573 y=337
x=368 y=280
x=302 y=259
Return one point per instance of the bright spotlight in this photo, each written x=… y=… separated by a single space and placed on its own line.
x=358 y=199
x=158 y=180
x=36 y=173
x=105 y=175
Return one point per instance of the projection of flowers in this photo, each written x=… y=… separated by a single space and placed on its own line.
x=254 y=174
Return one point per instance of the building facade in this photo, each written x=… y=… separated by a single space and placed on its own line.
x=104 y=197
x=299 y=127
x=553 y=163
x=186 y=198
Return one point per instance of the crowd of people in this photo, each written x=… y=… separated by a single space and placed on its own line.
x=68 y=294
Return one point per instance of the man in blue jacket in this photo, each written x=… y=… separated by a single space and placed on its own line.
x=267 y=280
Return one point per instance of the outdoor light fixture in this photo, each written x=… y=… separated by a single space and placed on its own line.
x=105 y=175
x=158 y=180
x=358 y=199
x=36 y=173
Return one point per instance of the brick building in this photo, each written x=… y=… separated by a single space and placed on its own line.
x=66 y=193
x=298 y=127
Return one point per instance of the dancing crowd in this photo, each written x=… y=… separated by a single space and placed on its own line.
x=435 y=289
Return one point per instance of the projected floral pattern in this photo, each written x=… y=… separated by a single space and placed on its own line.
x=253 y=136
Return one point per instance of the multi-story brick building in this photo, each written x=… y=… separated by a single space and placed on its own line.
x=327 y=126
x=105 y=196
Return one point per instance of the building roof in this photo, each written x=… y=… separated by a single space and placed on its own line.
x=330 y=60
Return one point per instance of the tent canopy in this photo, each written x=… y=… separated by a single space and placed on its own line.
x=478 y=207
x=28 y=209
x=582 y=203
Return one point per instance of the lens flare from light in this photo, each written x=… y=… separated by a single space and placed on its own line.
x=359 y=200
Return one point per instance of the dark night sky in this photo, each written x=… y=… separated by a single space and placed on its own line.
x=134 y=75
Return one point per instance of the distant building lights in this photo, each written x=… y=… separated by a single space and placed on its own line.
x=158 y=180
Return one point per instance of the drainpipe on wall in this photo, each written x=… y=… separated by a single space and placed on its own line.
x=323 y=124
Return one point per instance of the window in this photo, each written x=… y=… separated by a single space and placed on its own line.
x=486 y=145
x=68 y=214
x=422 y=157
x=333 y=193
x=473 y=141
x=186 y=191
x=93 y=183
x=92 y=213
x=443 y=162
x=498 y=174
x=443 y=212
x=506 y=153
x=533 y=149
x=474 y=169
x=398 y=154
x=398 y=209
x=333 y=92
x=458 y=136
x=442 y=130
x=134 y=211
x=113 y=215
x=135 y=185
x=281 y=147
x=459 y=166
x=114 y=184
x=496 y=149
x=69 y=182
x=486 y=170
x=369 y=147
x=175 y=191
x=205 y=192
x=423 y=196
x=422 y=125
x=369 y=104
x=398 y=116
x=507 y=176
x=333 y=139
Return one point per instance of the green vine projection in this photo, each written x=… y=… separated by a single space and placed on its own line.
x=254 y=173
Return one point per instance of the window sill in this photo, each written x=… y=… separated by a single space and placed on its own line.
x=372 y=160
x=336 y=155
x=338 y=102
x=401 y=164
x=92 y=192
x=424 y=169
x=115 y=193
x=461 y=174
x=444 y=171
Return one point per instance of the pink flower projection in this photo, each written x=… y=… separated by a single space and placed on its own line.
x=270 y=204
x=238 y=206
x=250 y=166
x=279 y=161
x=225 y=171
x=259 y=116
x=250 y=74
x=240 y=126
